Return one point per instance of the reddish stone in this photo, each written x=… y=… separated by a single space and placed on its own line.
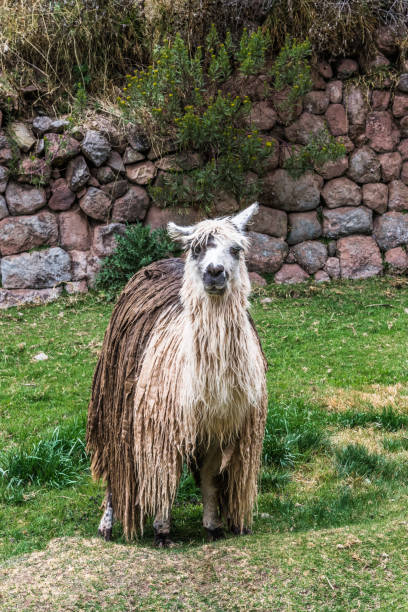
x=4 y=174
x=321 y=277
x=324 y=69
x=262 y=116
x=335 y=91
x=398 y=196
x=317 y=81
x=3 y=208
x=386 y=39
x=400 y=105
x=311 y=255
x=333 y=169
x=346 y=68
x=34 y=170
x=132 y=157
x=341 y=192
x=104 y=238
x=316 y=102
x=96 y=204
x=79 y=265
x=380 y=99
x=397 y=260
x=76 y=287
x=304 y=128
x=60 y=148
x=62 y=197
x=116 y=189
x=332 y=267
x=266 y=254
x=380 y=131
x=18 y=297
x=24 y=199
x=404 y=126
x=359 y=257
x=225 y=204
x=291 y=274
x=270 y=221
x=23 y=233
x=404 y=173
x=403 y=149
x=115 y=162
x=74 y=230
x=141 y=173
x=256 y=280
x=390 y=166
x=375 y=196
x=132 y=206
x=160 y=217
x=337 y=119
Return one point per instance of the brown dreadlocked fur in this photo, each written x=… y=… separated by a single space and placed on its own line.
x=147 y=416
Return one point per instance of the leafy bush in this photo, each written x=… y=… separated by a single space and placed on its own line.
x=138 y=247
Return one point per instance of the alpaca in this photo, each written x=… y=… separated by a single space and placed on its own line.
x=181 y=381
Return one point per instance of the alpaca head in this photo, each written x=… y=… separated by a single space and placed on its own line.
x=215 y=250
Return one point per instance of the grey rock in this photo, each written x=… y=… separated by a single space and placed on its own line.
x=347 y=220
x=60 y=148
x=131 y=156
x=116 y=189
x=391 y=230
x=4 y=174
x=403 y=82
x=104 y=238
x=364 y=166
x=303 y=226
x=304 y=128
x=280 y=190
x=77 y=173
x=105 y=175
x=132 y=206
x=22 y=135
x=96 y=204
x=96 y=147
x=332 y=267
x=18 y=297
x=359 y=257
x=270 y=221
x=24 y=199
x=115 y=162
x=341 y=192
x=3 y=208
x=38 y=270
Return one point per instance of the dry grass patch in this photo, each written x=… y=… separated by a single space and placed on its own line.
x=376 y=397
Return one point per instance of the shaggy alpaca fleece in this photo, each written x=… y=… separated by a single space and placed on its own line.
x=178 y=370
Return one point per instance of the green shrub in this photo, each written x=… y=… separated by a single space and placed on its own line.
x=292 y=69
x=138 y=247
x=321 y=148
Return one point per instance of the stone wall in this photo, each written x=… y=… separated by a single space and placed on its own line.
x=66 y=193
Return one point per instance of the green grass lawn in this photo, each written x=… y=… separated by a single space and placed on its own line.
x=330 y=531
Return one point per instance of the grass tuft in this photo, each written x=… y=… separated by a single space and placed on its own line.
x=356 y=460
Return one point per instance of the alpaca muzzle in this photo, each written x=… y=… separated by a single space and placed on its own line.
x=215 y=279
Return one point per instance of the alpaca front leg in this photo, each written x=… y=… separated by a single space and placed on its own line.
x=106 y=523
x=161 y=526
x=208 y=477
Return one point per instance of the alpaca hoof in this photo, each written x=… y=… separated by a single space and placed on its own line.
x=105 y=533
x=162 y=540
x=215 y=534
x=238 y=532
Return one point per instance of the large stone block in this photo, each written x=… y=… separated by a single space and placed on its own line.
x=104 y=238
x=336 y=118
x=311 y=255
x=266 y=254
x=160 y=217
x=19 y=234
x=364 y=166
x=333 y=169
x=303 y=226
x=390 y=166
x=396 y=260
x=270 y=221
x=291 y=274
x=62 y=197
x=375 y=196
x=38 y=270
x=132 y=206
x=341 y=192
x=24 y=199
x=282 y=191
x=96 y=204
x=262 y=116
x=398 y=196
x=382 y=134
x=74 y=230
x=359 y=257
x=391 y=230
x=19 y=297
x=316 y=102
x=347 y=220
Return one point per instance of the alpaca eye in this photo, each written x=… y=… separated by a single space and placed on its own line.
x=235 y=251
x=196 y=250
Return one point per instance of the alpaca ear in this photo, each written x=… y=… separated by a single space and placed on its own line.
x=242 y=219
x=180 y=233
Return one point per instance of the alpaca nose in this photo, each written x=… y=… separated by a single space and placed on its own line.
x=215 y=271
